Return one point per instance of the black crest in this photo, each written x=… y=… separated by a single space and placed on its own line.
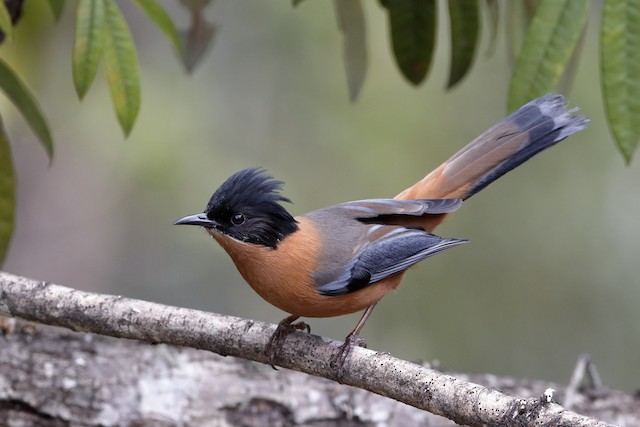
x=247 y=208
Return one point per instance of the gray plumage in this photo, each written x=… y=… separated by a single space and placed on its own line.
x=368 y=249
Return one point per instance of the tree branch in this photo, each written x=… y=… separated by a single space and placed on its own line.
x=461 y=401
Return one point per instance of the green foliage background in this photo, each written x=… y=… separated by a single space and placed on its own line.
x=551 y=270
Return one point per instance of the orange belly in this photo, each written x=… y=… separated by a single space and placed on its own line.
x=284 y=278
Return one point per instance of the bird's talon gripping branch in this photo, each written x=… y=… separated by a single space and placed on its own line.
x=285 y=327
x=339 y=359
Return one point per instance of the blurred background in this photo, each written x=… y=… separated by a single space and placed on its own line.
x=553 y=267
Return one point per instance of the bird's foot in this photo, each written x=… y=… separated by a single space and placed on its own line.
x=339 y=359
x=285 y=327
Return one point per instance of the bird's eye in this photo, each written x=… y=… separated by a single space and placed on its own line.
x=237 y=219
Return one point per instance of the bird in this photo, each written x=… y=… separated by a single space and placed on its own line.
x=344 y=258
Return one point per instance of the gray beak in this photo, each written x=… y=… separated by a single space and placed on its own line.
x=197 y=219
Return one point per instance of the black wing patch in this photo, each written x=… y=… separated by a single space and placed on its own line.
x=392 y=253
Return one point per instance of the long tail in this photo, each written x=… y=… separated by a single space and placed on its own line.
x=536 y=126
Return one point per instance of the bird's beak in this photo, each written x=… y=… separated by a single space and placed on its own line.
x=197 y=219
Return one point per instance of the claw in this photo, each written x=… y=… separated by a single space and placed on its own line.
x=285 y=327
x=339 y=359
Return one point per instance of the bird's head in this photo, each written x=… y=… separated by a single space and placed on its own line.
x=247 y=208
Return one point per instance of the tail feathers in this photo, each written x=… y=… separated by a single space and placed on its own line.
x=533 y=128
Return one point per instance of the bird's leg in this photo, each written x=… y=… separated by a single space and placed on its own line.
x=353 y=339
x=285 y=327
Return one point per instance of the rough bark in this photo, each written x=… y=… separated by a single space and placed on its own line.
x=51 y=377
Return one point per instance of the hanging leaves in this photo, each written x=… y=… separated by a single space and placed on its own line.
x=57 y=6
x=548 y=45
x=620 y=70
x=6 y=26
x=7 y=194
x=465 y=28
x=159 y=17
x=102 y=34
x=121 y=66
x=26 y=103
x=88 y=45
x=198 y=37
x=351 y=23
x=412 y=24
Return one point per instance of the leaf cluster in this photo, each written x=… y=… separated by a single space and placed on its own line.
x=544 y=37
x=102 y=35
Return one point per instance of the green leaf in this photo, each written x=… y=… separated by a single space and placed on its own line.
x=7 y=194
x=493 y=14
x=412 y=25
x=565 y=83
x=57 y=6
x=88 y=44
x=516 y=24
x=465 y=26
x=549 y=42
x=121 y=65
x=22 y=98
x=296 y=2
x=620 y=70
x=351 y=23
x=195 y=5
x=6 y=25
x=519 y=16
x=163 y=21
x=197 y=39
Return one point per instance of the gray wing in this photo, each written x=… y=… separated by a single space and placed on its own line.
x=371 y=208
x=394 y=249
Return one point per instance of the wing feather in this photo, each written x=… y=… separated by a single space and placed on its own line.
x=392 y=252
x=372 y=208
